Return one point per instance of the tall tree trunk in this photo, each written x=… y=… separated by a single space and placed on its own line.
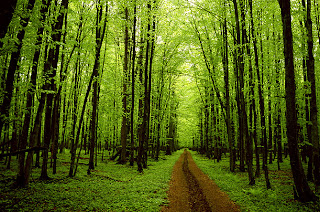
x=7 y=98
x=74 y=109
x=148 y=69
x=146 y=103
x=261 y=99
x=236 y=82
x=140 y=110
x=57 y=102
x=95 y=72
x=227 y=88
x=124 y=91
x=313 y=100
x=206 y=120
x=246 y=138
x=277 y=119
x=133 y=74
x=34 y=137
x=100 y=33
x=158 y=127
x=301 y=188
x=307 y=97
x=50 y=69
x=240 y=85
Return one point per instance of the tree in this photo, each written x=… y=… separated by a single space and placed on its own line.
x=50 y=71
x=124 y=127
x=227 y=88
x=100 y=34
x=144 y=127
x=301 y=188
x=243 y=116
x=133 y=75
x=9 y=86
x=6 y=14
x=15 y=56
x=313 y=100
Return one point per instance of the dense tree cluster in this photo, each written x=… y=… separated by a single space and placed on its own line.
x=257 y=84
x=115 y=75
x=85 y=75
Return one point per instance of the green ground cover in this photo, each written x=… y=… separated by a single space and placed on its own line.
x=110 y=187
x=257 y=197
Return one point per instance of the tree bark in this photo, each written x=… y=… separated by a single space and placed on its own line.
x=148 y=68
x=6 y=13
x=13 y=65
x=247 y=140
x=124 y=127
x=146 y=103
x=50 y=69
x=227 y=88
x=74 y=109
x=133 y=74
x=21 y=178
x=240 y=85
x=302 y=189
x=100 y=32
x=74 y=144
x=313 y=100
x=141 y=106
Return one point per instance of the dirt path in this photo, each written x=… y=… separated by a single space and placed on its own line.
x=192 y=190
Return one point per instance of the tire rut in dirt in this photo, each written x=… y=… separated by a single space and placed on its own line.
x=197 y=199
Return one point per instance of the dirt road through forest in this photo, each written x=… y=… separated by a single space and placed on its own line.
x=192 y=190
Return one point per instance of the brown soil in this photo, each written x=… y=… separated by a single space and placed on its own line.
x=192 y=190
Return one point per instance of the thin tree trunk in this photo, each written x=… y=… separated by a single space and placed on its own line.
x=146 y=103
x=148 y=96
x=247 y=139
x=239 y=77
x=206 y=120
x=57 y=102
x=124 y=91
x=74 y=109
x=159 y=108
x=307 y=98
x=313 y=100
x=140 y=112
x=133 y=82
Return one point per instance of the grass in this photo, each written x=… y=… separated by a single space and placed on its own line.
x=114 y=187
x=256 y=197
x=110 y=187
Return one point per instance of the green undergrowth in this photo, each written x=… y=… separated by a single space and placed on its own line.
x=256 y=197
x=110 y=187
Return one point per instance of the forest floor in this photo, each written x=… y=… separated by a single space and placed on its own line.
x=192 y=190
x=109 y=187
x=182 y=181
x=256 y=197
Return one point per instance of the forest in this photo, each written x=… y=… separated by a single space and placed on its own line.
x=104 y=103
